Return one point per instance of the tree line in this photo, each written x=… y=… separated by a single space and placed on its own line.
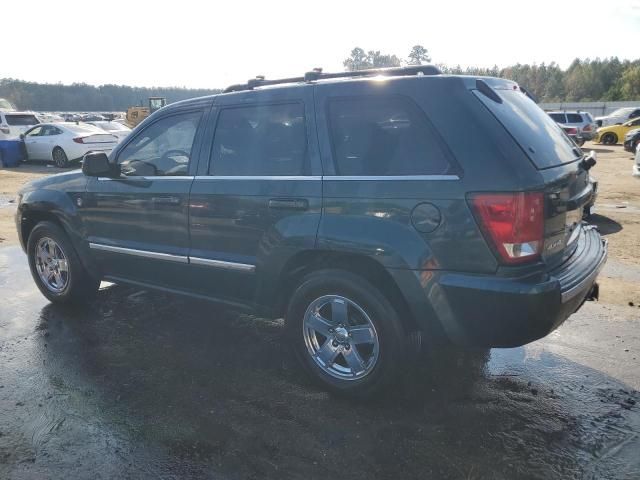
x=585 y=80
x=608 y=79
x=80 y=97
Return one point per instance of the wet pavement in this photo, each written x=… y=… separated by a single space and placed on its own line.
x=149 y=385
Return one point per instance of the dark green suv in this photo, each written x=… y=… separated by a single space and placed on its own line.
x=366 y=208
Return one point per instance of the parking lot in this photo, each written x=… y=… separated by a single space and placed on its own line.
x=148 y=384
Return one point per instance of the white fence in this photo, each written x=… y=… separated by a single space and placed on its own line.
x=596 y=109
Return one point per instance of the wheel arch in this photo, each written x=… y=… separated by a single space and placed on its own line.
x=306 y=262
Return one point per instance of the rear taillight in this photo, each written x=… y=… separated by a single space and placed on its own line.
x=78 y=140
x=513 y=223
x=571 y=131
x=587 y=128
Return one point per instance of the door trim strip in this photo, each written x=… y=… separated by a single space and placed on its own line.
x=140 y=253
x=208 y=262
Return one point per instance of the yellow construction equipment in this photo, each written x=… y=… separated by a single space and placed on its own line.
x=138 y=113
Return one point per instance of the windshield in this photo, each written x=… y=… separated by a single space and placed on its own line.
x=539 y=136
x=620 y=111
x=21 y=120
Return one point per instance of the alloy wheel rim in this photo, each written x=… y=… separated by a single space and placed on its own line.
x=52 y=265
x=340 y=337
x=59 y=158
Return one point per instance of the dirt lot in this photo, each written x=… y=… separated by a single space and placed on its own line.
x=617 y=215
x=143 y=384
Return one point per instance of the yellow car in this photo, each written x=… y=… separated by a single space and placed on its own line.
x=615 y=133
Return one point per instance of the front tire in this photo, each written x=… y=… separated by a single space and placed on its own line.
x=60 y=158
x=56 y=267
x=345 y=333
x=610 y=139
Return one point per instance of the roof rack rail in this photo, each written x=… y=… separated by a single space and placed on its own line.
x=317 y=74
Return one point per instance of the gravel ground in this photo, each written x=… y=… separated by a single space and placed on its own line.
x=148 y=385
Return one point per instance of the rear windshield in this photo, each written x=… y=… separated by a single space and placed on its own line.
x=574 y=118
x=21 y=120
x=112 y=126
x=84 y=129
x=539 y=136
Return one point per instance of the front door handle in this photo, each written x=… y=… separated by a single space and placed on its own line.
x=168 y=200
x=289 y=203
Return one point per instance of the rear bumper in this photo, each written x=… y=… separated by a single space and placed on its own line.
x=491 y=311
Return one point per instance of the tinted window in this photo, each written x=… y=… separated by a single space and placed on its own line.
x=382 y=136
x=634 y=114
x=574 y=118
x=558 y=117
x=261 y=140
x=163 y=148
x=21 y=120
x=539 y=136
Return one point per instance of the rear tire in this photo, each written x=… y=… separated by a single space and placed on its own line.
x=345 y=333
x=56 y=267
x=609 y=139
x=60 y=158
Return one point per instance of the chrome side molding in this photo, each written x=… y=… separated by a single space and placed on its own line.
x=208 y=262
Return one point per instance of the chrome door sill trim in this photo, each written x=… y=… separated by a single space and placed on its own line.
x=140 y=253
x=242 y=267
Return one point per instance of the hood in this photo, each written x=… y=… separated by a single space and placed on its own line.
x=58 y=181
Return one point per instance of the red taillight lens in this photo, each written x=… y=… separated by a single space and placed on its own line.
x=587 y=128
x=571 y=131
x=78 y=140
x=513 y=223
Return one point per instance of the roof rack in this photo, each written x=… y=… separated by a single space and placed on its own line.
x=317 y=74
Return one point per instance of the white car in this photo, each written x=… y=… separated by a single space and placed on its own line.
x=114 y=128
x=636 y=163
x=12 y=124
x=66 y=142
x=618 y=116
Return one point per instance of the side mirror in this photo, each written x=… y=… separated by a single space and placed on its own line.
x=97 y=165
x=22 y=136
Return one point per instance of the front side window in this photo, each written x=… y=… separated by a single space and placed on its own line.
x=34 y=132
x=163 y=148
x=384 y=136
x=260 y=140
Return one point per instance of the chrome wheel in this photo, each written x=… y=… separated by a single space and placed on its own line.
x=340 y=337
x=52 y=265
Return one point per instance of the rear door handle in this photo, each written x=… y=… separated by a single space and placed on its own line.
x=289 y=204
x=169 y=200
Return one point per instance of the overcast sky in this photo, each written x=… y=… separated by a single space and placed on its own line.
x=211 y=44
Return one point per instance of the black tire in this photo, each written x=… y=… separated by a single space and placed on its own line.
x=80 y=286
x=60 y=158
x=609 y=139
x=390 y=333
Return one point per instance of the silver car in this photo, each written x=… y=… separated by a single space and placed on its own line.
x=582 y=121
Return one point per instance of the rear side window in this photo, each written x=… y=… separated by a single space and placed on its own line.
x=384 y=136
x=558 y=117
x=260 y=140
x=574 y=118
x=21 y=120
x=537 y=134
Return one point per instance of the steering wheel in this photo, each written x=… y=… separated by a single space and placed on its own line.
x=174 y=153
